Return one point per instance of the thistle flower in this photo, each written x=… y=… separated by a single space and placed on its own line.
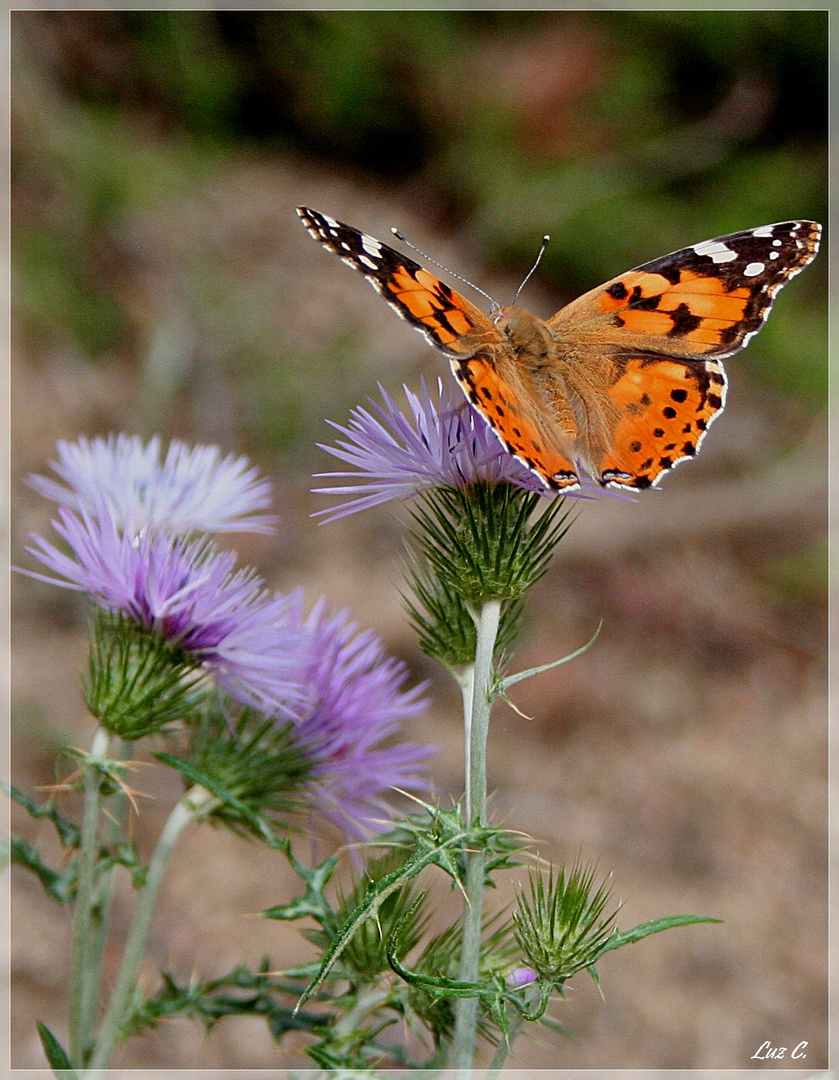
x=357 y=700
x=444 y=443
x=560 y=926
x=521 y=976
x=189 y=593
x=191 y=488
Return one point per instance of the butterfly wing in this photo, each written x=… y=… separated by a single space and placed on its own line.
x=705 y=300
x=445 y=318
x=539 y=438
x=650 y=341
x=479 y=354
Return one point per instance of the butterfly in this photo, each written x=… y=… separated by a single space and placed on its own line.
x=623 y=382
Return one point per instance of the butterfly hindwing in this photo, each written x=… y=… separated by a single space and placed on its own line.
x=499 y=400
x=667 y=407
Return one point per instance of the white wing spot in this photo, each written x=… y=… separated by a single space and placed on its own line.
x=330 y=221
x=777 y=243
x=368 y=262
x=774 y=255
x=764 y=230
x=716 y=251
x=371 y=245
x=753 y=269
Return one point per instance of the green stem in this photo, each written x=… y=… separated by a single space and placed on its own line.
x=467 y=691
x=84 y=985
x=477 y=725
x=368 y=999
x=193 y=804
x=103 y=900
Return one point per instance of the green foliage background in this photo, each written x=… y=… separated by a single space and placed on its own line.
x=623 y=134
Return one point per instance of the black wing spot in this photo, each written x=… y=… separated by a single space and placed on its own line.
x=659 y=432
x=635 y=446
x=679 y=394
x=669 y=412
x=618 y=291
x=684 y=321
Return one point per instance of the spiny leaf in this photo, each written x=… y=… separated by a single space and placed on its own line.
x=378 y=891
x=68 y=831
x=655 y=926
x=60 y=886
x=313 y=903
x=56 y=1054
x=510 y=680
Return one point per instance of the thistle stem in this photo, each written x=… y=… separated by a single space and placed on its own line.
x=102 y=901
x=477 y=725
x=190 y=806
x=467 y=691
x=84 y=977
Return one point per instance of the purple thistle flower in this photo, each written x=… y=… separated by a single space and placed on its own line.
x=188 y=592
x=443 y=443
x=357 y=700
x=191 y=488
x=521 y=976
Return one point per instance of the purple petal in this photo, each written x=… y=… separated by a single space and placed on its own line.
x=443 y=443
x=192 y=488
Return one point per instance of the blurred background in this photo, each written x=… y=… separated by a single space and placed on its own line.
x=162 y=283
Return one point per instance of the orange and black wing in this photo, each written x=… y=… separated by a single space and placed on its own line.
x=445 y=318
x=705 y=300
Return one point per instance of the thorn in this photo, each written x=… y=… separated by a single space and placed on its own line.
x=514 y=707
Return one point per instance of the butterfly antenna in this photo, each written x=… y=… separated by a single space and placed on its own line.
x=545 y=241
x=460 y=277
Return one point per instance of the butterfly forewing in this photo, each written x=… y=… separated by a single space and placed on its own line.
x=443 y=316
x=705 y=300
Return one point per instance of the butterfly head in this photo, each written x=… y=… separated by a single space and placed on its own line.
x=527 y=334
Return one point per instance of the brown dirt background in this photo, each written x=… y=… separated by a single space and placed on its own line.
x=686 y=752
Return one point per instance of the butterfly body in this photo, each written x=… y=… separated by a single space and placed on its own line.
x=624 y=381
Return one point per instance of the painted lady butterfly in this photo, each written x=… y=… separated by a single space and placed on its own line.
x=624 y=381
